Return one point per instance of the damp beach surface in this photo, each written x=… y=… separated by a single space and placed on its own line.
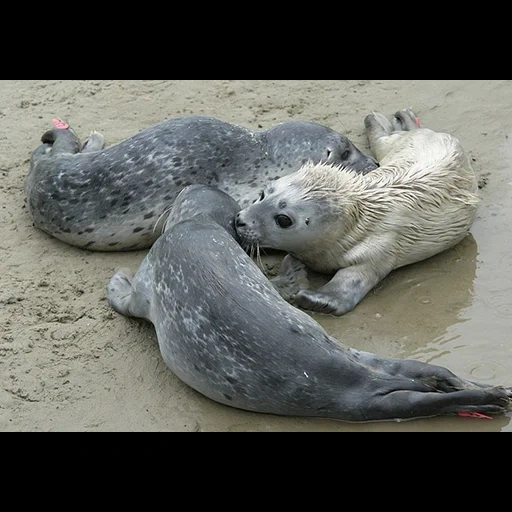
x=68 y=363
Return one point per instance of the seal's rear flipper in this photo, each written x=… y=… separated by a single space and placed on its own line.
x=62 y=139
x=384 y=133
x=406 y=121
x=377 y=126
x=477 y=403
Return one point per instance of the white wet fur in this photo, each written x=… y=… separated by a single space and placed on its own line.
x=421 y=202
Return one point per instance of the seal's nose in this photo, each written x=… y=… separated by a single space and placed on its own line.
x=239 y=222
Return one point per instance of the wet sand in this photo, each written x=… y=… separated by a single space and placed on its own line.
x=68 y=363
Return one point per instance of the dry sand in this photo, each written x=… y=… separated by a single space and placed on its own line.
x=67 y=363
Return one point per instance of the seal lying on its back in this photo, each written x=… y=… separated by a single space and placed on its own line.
x=225 y=331
x=112 y=199
x=421 y=202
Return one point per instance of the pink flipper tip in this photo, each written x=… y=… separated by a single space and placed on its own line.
x=60 y=125
x=474 y=415
x=418 y=122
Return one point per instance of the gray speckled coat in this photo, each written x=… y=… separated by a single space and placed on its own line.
x=112 y=199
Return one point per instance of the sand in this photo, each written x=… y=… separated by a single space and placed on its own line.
x=68 y=363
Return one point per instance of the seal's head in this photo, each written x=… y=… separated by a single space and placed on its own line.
x=301 y=211
x=297 y=142
x=203 y=201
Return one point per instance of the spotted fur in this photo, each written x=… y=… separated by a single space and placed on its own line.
x=113 y=199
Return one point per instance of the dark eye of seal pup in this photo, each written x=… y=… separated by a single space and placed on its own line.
x=226 y=332
x=113 y=199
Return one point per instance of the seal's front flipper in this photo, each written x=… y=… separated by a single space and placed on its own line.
x=119 y=292
x=292 y=278
x=131 y=296
x=346 y=290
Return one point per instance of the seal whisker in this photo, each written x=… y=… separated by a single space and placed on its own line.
x=245 y=246
x=259 y=260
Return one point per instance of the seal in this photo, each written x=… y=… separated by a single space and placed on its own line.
x=226 y=332
x=113 y=199
x=421 y=202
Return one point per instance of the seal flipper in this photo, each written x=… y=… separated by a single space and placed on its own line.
x=95 y=142
x=415 y=405
x=383 y=133
x=292 y=278
x=413 y=390
x=344 y=292
x=120 y=292
x=62 y=141
x=406 y=121
x=130 y=296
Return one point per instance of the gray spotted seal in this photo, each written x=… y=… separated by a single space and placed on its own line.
x=225 y=331
x=422 y=201
x=112 y=199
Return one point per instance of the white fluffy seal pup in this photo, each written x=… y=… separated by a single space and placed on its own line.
x=422 y=201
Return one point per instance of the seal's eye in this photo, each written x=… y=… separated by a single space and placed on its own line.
x=345 y=155
x=284 y=222
x=262 y=197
